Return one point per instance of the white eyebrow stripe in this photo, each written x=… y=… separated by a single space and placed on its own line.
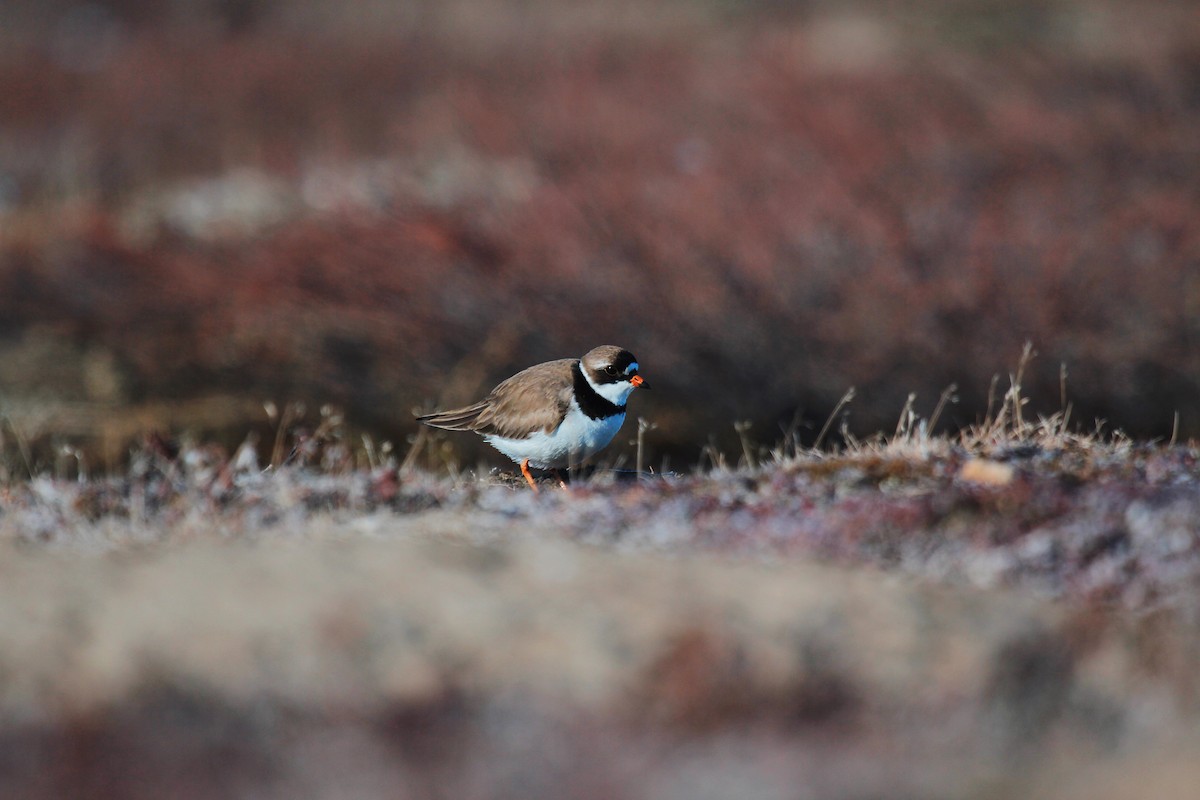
x=632 y=368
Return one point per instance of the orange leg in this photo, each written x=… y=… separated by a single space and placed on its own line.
x=528 y=477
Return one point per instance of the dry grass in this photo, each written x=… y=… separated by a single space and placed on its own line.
x=1012 y=500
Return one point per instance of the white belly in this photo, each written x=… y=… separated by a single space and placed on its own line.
x=578 y=438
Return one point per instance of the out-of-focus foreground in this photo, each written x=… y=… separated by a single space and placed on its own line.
x=204 y=206
x=1013 y=619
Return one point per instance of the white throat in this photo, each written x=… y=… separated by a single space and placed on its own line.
x=616 y=393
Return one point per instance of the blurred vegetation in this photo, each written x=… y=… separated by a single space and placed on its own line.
x=208 y=205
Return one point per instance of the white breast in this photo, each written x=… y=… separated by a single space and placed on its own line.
x=578 y=438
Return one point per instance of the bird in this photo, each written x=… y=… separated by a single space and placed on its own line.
x=552 y=415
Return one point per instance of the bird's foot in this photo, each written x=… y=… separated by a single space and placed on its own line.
x=528 y=476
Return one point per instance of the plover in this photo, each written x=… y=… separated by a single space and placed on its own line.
x=555 y=414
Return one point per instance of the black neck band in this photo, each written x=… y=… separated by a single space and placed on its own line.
x=590 y=401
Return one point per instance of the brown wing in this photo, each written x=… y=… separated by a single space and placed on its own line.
x=535 y=399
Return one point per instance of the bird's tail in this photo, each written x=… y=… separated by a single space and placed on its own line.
x=460 y=419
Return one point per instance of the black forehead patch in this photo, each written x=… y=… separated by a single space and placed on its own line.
x=623 y=359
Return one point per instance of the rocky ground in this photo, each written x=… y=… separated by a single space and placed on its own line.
x=916 y=618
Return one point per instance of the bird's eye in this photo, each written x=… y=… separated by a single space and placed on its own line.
x=610 y=369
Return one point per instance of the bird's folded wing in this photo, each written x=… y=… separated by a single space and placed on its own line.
x=535 y=399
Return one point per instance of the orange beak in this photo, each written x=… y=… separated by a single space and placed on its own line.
x=638 y=380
